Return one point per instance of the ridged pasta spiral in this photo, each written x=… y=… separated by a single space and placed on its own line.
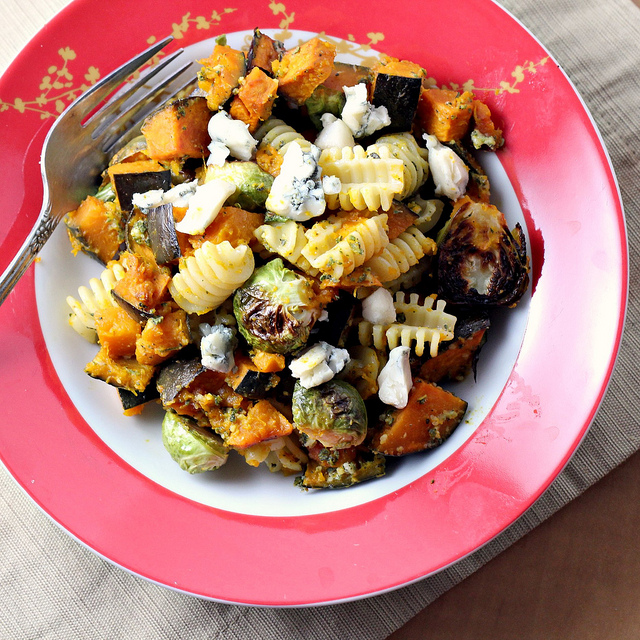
x=367 y=182
x=361 y=242
x=414 y=159
x=209 y=276
x=277 y=134
x=95 y=297
x=401 y=254
x=287 y=239
x=422 y=323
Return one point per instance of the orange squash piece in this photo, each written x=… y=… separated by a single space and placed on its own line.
x=399 y=219
x=220 y=74
x=254 y=100
x=269 y=160
x=429 y=418
x=95 y=227
x=126 y=373
x=178 y=130
x=445 y=113
x=145 y=285
x=484 y=124
x=232 y=224
x=304 y=68
x=117 y=331
x=262 y=422
x=394 y=67
x=267 y=362
x=158 y=341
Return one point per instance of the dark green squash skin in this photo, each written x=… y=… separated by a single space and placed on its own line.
x=400 y=96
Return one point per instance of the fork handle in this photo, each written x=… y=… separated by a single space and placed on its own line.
x=40 y=233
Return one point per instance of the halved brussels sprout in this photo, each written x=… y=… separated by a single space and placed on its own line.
x=275 y=309
x=332 y=413
x=194 y=448
x=252 y=183
x=479 y=260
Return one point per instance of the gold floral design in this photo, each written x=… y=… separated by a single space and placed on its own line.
x=59 y=86
x=57 y=89
x=518 y=74
x=201 y=22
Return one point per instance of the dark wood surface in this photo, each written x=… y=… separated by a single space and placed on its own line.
x=575 y=576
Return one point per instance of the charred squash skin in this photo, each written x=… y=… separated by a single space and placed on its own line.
x=458 y=358
x=125 y=372
x=429 y=418
x=145 y=284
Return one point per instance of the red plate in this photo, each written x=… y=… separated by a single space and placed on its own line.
x=561 y=175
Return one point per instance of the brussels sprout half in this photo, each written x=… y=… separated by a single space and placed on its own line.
x=332 y=413
x=275 y=309
x=479 y=260
x=194 y=448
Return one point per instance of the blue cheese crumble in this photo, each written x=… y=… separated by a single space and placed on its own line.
x=318 y=364
x=178 y=196
x=217 y=347
x=297 y=191
x=360 y=115
x=449 y=172
x=229 y=137
x=394 y=381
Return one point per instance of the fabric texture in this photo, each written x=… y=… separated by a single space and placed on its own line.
x=52 y=587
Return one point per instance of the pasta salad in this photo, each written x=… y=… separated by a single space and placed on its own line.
x=297 y=255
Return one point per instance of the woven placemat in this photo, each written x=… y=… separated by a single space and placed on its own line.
x=52 y=587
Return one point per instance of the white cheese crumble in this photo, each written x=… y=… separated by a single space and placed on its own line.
x=178 y=196
x=378 y=308
x=204 y=206
x=450 y=174
x=335 y=133
x=297 y=192
x=318 y=364
x=229 y=137
x=216 y=347
x=331 y=185
x=394 y=381
x=360 y=115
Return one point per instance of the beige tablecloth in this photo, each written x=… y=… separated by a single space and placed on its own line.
x=51 y=587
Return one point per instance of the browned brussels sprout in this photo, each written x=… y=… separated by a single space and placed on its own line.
x=275 y=309
x=332 y=413
x=479 y=260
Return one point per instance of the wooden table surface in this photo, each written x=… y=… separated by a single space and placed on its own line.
x=575 y=576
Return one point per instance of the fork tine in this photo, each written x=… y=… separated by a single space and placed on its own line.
x=100 y=119
x=99 y=91
x=132 y=116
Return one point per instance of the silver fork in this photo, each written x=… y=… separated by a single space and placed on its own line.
x=80 y=143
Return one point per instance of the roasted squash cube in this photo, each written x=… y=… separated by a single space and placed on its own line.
x=254 y=100
x=178 y=130
x=302 y=69
x=220 y=74
x=445 y=113
x=96 y=228
x=159 y=340
x=117 y=331
x=429 y=418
